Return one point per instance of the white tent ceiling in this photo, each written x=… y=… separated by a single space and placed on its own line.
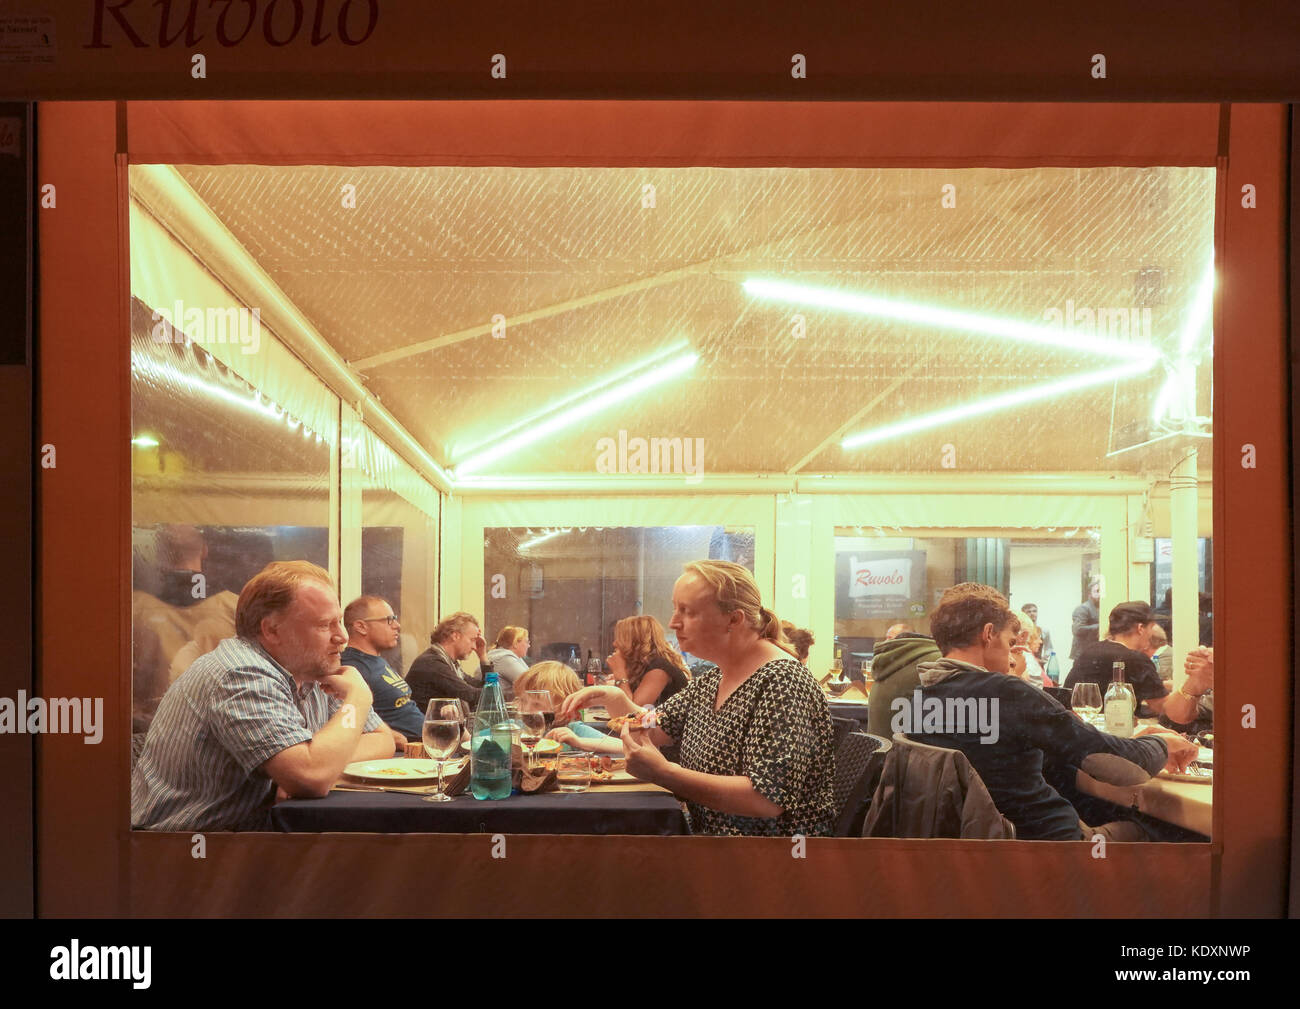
x=405 y=285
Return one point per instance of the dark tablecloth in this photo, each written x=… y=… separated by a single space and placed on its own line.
x=607 y=811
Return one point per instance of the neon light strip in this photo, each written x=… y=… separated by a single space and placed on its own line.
x=618 y=394
x=945 y=318
x=1198 y=315
x=1032 y=394
x=460 y=451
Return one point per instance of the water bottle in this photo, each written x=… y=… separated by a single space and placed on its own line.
x=490 y=741
x=1120 y=705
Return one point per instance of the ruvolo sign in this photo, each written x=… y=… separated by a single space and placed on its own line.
x=187 y=22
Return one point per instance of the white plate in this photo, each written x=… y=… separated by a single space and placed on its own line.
x=398 y=770
x=543 y=746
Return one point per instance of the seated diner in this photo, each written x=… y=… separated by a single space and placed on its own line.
x=644 y=664
x=270 y=711
x=754 y=733
x=1010 y=731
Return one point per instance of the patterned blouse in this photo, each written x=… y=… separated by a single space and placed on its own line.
x=775 y=729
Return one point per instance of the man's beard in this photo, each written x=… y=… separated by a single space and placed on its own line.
x=317 y=668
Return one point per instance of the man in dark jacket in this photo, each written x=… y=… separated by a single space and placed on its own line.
x=893 y=668
x=437 y=673
x=1007 y=729
x=1085 y=622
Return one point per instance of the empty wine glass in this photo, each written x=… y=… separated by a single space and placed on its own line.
x=1085 y=699
x=441 y=734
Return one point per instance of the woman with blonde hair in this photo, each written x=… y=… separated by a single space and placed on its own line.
x=755 y=732
x=562 y=681
x=507 y=656
x=1023 y=661
x=643 y=663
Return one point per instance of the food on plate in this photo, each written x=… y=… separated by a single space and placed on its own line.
x=645 y=720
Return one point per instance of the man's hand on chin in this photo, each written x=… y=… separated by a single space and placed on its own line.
x=344 y=683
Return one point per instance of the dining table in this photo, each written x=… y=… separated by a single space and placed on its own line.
x=1187 y=804
x=358 y=807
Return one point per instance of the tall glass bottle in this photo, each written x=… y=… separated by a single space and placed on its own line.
x=1120 y=704
x=490 y=742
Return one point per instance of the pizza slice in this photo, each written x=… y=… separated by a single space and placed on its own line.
x=638 y=721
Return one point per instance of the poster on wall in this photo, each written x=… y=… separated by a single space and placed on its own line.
x=873 y=585
x=1164 y=568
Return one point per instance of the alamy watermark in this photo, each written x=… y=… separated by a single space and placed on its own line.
x=75 y=962
x=77 y=716
x=240 y=326
x=650 y=455
x=946 y=716
x=1116 y=322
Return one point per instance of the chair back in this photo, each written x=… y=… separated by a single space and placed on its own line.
x=1060 y=693
x=858 y=761
x=931 y=814
x=843 y=726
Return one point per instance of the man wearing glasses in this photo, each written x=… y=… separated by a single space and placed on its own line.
x=372 y=628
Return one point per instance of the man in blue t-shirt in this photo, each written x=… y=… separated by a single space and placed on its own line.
x=372 y=628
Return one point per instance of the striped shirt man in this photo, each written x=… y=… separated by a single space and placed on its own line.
x=229 y=713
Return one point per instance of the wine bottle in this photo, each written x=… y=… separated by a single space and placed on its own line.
x=1120 y=705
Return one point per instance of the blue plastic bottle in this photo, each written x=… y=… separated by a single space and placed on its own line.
x=490 y=742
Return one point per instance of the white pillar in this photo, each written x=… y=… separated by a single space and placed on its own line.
x=1186 y=582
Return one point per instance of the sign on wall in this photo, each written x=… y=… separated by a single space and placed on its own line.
x=872 y=585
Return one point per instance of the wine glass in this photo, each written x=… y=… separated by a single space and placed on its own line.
x=1085 y=699
x=441 y=734
x=866 y=676
x=537 y=712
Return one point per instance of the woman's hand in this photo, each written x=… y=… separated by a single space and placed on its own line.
x=614 y=700
x=644 y=760
x=1018 y=663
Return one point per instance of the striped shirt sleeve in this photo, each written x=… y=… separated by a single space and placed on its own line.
x=254 y=717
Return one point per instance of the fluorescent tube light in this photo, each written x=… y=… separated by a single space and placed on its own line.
x=593 y=404
x=946 y=318
x=677 y=347
x=953 y=415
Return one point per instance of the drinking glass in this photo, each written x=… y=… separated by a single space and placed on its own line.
x=573 y=771
x=516 y=724
x=441 y=731
x=1085 y=699
x=537 y=712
